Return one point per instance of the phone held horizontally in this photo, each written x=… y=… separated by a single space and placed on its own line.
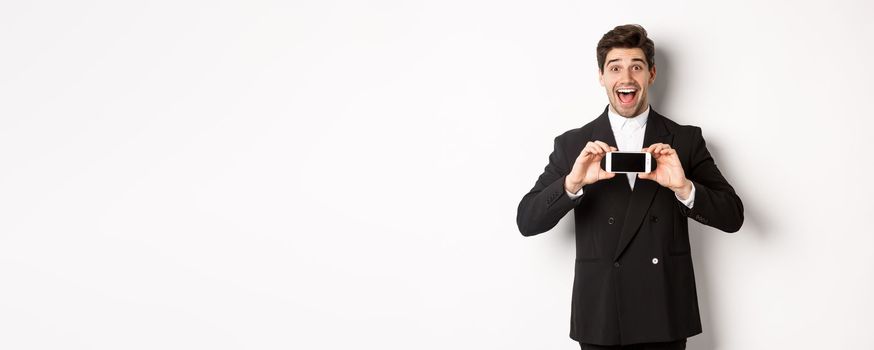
x=628 y=162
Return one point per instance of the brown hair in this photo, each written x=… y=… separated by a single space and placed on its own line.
x=627 y=36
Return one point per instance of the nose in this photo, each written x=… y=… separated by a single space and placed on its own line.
x=626 y=75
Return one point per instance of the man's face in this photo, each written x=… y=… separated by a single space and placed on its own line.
x=627 y=78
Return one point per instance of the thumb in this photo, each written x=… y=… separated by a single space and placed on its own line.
x=644 y=176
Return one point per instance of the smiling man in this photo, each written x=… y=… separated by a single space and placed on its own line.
x=634 y=285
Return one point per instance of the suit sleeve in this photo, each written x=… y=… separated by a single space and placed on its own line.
x=716 y=203
x=547 y=202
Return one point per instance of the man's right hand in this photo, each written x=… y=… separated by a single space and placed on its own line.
x=587 y=167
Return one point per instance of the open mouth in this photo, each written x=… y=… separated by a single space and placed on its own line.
x=626 y=95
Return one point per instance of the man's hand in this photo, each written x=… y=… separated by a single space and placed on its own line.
x=669 y=172
x=587 y=167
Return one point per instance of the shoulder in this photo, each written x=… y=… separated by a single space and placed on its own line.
x=680 y=130
x=583 y=133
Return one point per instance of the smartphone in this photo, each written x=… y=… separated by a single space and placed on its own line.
x=628 y=162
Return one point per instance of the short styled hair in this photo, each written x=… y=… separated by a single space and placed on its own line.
x=627 y=36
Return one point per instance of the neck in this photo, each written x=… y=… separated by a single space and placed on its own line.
x=645 y=105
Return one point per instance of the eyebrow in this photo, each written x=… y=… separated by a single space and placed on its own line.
x=632 y=60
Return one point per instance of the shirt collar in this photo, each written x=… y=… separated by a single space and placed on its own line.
x=617 y=121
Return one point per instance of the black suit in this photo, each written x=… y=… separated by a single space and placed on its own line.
x=633 y=276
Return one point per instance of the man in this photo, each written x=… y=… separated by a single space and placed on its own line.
x=634 y=286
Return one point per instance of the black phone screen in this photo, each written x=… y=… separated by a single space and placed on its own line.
x=630 y=162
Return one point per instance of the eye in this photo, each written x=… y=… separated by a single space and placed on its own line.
x=614 y=69
x=636 y=67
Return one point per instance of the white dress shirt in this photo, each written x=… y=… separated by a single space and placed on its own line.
x=628 y=133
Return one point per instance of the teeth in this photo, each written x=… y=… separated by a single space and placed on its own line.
x=627 y=91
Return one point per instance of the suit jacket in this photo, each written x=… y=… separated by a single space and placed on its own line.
x=633 y=275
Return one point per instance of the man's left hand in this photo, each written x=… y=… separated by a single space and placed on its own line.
x=668 y=172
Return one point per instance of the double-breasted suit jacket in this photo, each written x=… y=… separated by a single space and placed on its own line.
x=633 y=275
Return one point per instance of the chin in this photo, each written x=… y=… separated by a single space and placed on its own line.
x=626 y=112
x=632 y=111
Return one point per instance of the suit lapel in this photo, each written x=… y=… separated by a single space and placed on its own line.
x=602 y=130
x=644 y=190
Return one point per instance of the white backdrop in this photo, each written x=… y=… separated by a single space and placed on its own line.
x=345 y=174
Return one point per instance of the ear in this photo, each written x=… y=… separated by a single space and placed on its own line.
x=652 y=74
x=600 y=76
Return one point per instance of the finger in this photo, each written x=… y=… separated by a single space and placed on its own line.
x=665 y=149
x=604 y=146
x=598 y=149
x=614 y=149
x=651 y=147
x=589 y=148
x=592 y=149
x=584 y=152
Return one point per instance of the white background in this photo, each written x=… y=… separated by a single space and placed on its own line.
x=344 y=174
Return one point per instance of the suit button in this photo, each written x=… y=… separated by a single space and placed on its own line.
x=655 y=218
x=616 y=264
x=610 y=220
x=655 y=261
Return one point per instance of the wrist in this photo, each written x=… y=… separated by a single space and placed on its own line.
x=685 y=190
x=571 y=185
